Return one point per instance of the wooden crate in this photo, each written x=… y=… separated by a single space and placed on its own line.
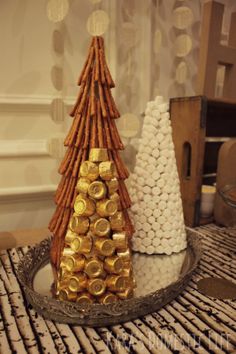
x=200 y=126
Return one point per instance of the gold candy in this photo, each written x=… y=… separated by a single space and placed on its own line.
x=124 y=254
x=73 y=263
x=67 y=295
x=70 y=235
x=67 y=251
x=116 y=283
x=106 y=207
x=97 y=190
x=105 y=247
x=121 y=241
x=112 y=185
x=82 y=185
x=125 y=294
x=98 y=155
x=100 y=227
x=84 y=206
x=85 y=298
x=93 y=268
x=77 y=282
x=108 y=298
x=96 y=287
x=79 y=224
x=107 y=170
x=81 y=244
x=89 y=170
x=117 y=221
x=113 y=264
x=116 y=198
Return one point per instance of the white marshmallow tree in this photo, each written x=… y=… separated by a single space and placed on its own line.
x=155 y=191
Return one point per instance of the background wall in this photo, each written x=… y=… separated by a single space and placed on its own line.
x=41 y=61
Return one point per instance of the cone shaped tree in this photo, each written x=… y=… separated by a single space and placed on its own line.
x=90 y=251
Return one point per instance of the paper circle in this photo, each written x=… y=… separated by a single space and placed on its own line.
x=58 y=42
x=181 y=72
x=97 y=23
x=128 y=125
x=183 y=45
x=58 y=110
x=157 y=41
x=182 y=17
x=57 y=10
x=129 y=34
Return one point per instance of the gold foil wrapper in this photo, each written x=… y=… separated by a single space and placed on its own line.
x=105 y=247
x=120 y=240
x=70 y=235
x=98 y=155
x=93 y=268
x=79 y=224
x=77 y=282
x=84 y=299
x=89 y=170
x=67 y=251
x=100 y=227
x=97 y=190
x=96 y=287
x=126 y=294
x=116 y=283
x=117 y=221
x=108 y=298
x=67 y=295
x=116 y=198
x=81 y=244
x=82 y=185
x=106 y=207
x=112 y=185
x=73 y=263
x=107 y=170
x=125 y=254
x=113 y=264
x=84 y=206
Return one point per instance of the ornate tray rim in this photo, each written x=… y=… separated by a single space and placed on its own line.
x=97 y=315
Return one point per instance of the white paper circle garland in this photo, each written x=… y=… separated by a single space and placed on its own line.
x=128 y=125
x=182 y=17
x=57 y=10
x=183 y=45
x=97 y=23
x=181 y=72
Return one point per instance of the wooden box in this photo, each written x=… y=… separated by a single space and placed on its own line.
x=200 y=126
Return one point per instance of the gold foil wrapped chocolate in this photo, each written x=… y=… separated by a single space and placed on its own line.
x=79 y=224
x=108 y=298
x=89 y=170
x=96 y=286
x=77 y=282
x=73 y=263
x=97 y=190
x=117 y=221
x=112 y=185
x=67 y=251
x=113 y=264
x=66 y=295
x=84 y=298
x=106 y=207
x=126 y=294
x=81 y=244
x=116 y=283
x=70 y=235
x=93 y=268
x=98 y=155
x=84 y=206
x=105 y=247
x=116 y=198
x=100 y=227
x=82 y=185
x=124 y=254
x=107 y=170
x=120 y=240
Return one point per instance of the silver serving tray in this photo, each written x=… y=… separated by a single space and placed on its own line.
x=159 y=278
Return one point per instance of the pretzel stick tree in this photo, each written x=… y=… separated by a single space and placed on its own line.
x=93 y=131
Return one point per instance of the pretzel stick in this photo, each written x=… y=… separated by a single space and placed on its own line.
x=89 y=65
x=69 y=192
x=84 y=97
x=65 y=161
x=115 y=135
x=64 y=223
x=72 y=161
x=102 y=101
x=107 y=74
x=99 y=126
x=81 y=127
x=54 y=218
x=97 y=69
x=73 y=199
x=101 y=66
x=93 y=135
x=125 y=194
x=121 y=169
x=93 y=103
x=59 y=188
x=116 y=111
x=58 y=222
x=75 y=171
x=86 y=63
x=107 y=134
x=81 y=91
x=73 y=130
x=128 y=224
x=63 y=192
x=109 y=102
x=87 y=126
